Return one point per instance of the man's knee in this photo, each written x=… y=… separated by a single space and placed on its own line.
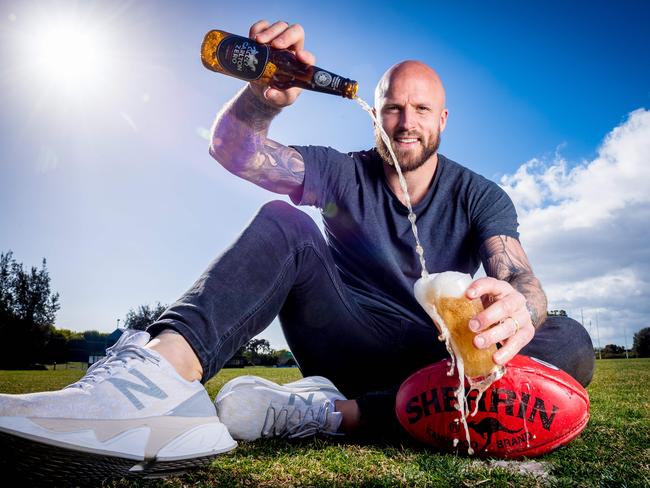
x=276 y=208
x=565 y=343
x=280 y=214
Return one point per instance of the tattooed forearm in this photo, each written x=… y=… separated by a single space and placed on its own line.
x=501 y=259
x=504 y=258
x=240 y=144
x=275 y=167
x=251 y=111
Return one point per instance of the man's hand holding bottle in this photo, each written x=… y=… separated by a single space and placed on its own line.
x=280 y=35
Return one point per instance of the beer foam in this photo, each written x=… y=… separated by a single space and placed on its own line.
x=450 y=284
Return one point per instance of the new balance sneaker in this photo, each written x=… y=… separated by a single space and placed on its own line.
x=132 y=414
x=253 y=407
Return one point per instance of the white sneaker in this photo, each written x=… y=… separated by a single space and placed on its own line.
x=253 y=407
x=131 y=414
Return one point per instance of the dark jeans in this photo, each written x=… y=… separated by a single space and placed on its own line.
x=281 y=265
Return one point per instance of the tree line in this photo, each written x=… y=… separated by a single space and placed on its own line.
x=28 y=337
x=66 y=346
x=28 y=308
x=256 y=352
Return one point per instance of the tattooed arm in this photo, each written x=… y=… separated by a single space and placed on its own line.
x=240 y=144
x=518 y=302
x=504 y=259
x=239 y=135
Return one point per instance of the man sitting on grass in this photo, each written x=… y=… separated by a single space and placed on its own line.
x=345 y=303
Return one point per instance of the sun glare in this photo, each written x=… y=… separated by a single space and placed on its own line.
x=71 y=55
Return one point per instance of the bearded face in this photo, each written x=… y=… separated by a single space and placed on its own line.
x=412 y=148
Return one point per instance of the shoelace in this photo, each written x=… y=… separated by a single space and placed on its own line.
x=300 y=422
x=116 y=357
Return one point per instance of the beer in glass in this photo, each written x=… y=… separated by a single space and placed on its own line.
x=442 y=295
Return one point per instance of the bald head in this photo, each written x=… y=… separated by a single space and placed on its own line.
x=412 y=70
x=410 y=104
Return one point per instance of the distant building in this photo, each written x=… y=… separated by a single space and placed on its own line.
x=113 y=337
x=237 y=361
x=97 y=349
x=286 y=360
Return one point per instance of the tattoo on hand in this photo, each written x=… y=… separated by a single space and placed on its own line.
x=534 y=315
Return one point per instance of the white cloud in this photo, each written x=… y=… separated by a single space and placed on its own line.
x=586 y=228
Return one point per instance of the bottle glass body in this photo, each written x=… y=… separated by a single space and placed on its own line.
x=248 y=60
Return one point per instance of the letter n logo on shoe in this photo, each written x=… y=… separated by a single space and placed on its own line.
x=307 y=401
x=149 y=388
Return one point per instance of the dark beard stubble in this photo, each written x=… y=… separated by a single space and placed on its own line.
x=406 y=165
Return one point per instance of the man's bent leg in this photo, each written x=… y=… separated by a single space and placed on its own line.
x=566 y=344
x=281 y=264
x=281 y=252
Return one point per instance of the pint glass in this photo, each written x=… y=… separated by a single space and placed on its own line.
x=442 y=295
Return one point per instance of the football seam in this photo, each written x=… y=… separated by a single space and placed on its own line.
x=562 y=439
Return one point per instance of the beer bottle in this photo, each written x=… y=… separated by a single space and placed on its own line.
x=248 y=60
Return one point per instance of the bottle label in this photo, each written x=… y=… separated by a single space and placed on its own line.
x=326 y=81
x=242 y=58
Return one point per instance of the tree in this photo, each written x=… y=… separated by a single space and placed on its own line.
x=642 y=343
x=27 y=312
x=57 y=348
x=256 y=351
x=258 y=346
x=613 y=351
x=144 y=316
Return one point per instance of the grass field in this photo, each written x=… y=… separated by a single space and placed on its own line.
x=614 y=449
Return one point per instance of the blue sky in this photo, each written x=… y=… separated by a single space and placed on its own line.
x=104 y=168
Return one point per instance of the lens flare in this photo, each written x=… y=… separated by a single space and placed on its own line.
x=70 y=54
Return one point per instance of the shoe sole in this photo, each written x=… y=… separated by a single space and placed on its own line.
x=37 y=464
x=87 y=451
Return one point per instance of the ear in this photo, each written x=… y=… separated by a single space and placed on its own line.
x=443 y=119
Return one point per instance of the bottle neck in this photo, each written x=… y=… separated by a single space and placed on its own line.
x=326 y=82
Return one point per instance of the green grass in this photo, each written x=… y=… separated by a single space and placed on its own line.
x=613 y=450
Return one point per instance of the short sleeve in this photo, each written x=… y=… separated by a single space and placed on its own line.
x=328 y=173
x=493 y=212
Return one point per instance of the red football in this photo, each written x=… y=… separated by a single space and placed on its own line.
x=533 y=409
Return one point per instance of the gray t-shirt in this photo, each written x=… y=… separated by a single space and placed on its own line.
x=367 y=229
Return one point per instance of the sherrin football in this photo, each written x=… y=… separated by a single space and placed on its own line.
x=532 y=410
